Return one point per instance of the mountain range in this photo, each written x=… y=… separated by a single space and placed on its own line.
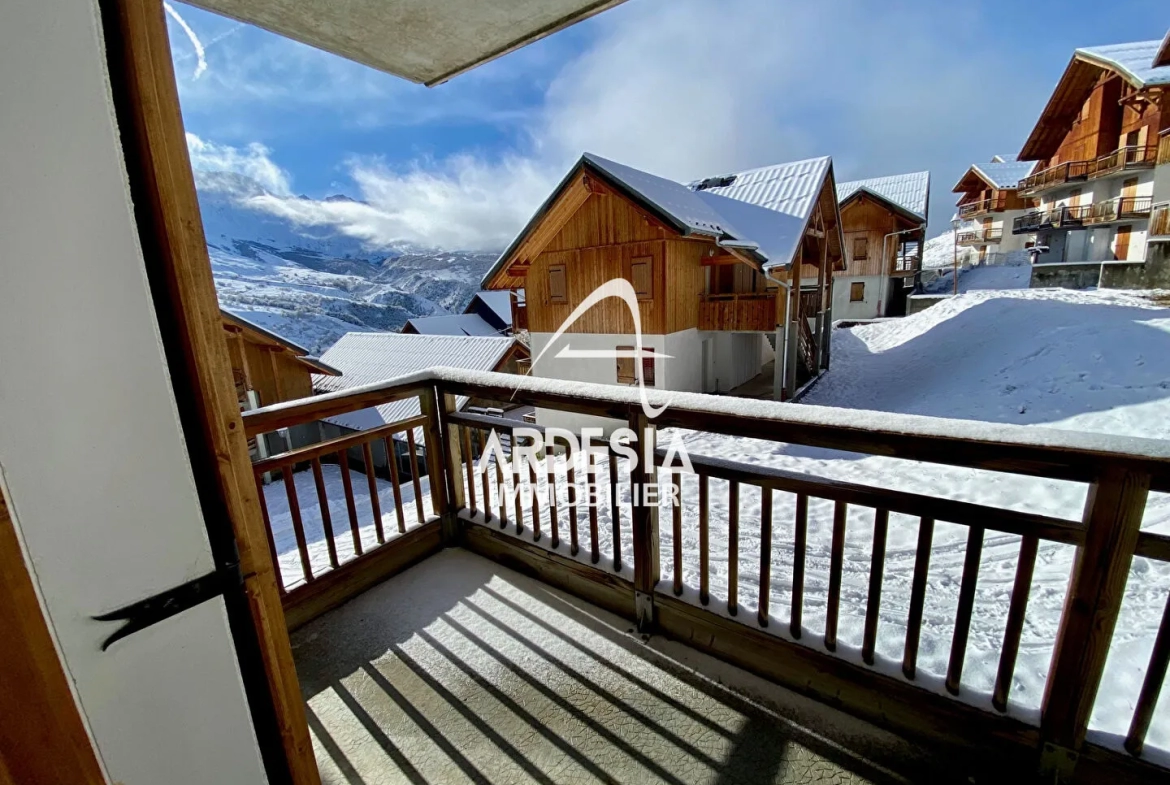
x=314 y=284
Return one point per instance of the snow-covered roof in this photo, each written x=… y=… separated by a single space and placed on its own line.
x=498 y=302
x=1005 y=159
x=1006 y=174
x=1135 y=60
x=300 y=352
x=365 y=358
x=910 y=191
x=789 y=188
x=458 y=324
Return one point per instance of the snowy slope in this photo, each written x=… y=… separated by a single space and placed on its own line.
x=314 y=284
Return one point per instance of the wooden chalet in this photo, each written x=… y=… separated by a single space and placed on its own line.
x=488 y=313
x=268 y=368
x=988 y=204
x=1095 y=147
x=884 y=223
x=718 y=268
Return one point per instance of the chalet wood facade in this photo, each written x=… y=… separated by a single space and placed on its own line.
x=270 y=368
x=710 y=305
x=1096 y=147
x=884 y=226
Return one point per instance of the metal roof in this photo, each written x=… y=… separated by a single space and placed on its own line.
x=425 y=41
x=1006 y=174
x=910 y=191
x=458 y=324
x=1163 y=56
x=499 y=303
x=371 y=357
x=1005 y=159
x=789 y=188
x=1135 y=61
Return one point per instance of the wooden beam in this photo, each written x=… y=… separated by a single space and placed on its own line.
x=179 y=271
x=42 y=736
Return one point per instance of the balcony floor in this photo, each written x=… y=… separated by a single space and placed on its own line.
x=462 y=670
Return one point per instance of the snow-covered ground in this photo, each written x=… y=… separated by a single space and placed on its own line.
x=981 y=278
x=1090 y=361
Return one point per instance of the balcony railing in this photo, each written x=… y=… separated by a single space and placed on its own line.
x=1160 y=220
x=489 y=508
x=983 y=206
x=1122 y=159
x=1127 y=208
x=1067 y=172
x=1057 y=218
x=980 y=237
x=755 y=312
x=1164 y=148
x=1125 y=158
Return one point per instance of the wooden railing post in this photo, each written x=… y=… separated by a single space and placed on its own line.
x=1113 y=516
x=443 y=461
x=644 y=517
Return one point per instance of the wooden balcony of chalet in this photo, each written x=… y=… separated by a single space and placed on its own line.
x=747 y=312
x=994 y=204
x=508 y=651
x=1123 y=159
x=979 y=237
x=1123 y=208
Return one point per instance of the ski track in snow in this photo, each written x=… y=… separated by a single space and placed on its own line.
x=1091 y=361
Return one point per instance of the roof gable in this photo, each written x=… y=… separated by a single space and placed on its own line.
x=260 y=334
x=1133 y=62
x=910 y=192
x=450 y=324
x=1002 y=175
x=492 y=307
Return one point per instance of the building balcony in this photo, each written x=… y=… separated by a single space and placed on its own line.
x=1127 y=208
x=983 y=207
x=754 y=312
x=490 y=629
x=1054 y=176
x=980 y=237
x=1056 y=218
x=1123 y=159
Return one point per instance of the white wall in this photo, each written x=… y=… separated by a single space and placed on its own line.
x=91 y=453
x=870 y=307
x=738 y=358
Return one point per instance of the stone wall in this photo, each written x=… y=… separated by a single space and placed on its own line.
x=916 y=303
x=1065 y=275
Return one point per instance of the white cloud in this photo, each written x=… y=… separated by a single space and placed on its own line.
x=252 y=161
x=690 y=88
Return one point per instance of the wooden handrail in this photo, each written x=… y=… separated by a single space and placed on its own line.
x=311 y=451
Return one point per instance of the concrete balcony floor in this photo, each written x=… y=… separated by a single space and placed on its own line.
x=460 y=670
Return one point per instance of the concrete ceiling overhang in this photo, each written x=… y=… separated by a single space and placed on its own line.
x=425 y=41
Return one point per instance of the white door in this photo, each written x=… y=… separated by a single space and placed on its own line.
x=91 y=453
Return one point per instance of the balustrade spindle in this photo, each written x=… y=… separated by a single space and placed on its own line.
x=294 y=511
x=877 y=565
x=1015 y=622
x=799 y=550
x=372 y=482
x=271 y=537
x=573 y=491
x=395 y=482
x=326 y=518
x=917 y=597
x=733 y=547
x=550 y=460
x=350 y=506
x=704 y=544
x=765 y=554
x=965 y=608
x=413 y=453
x=836 y=564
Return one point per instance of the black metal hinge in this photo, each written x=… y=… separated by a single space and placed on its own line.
x=146 y=613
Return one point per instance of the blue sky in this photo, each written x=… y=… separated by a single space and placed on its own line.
x=682 y=88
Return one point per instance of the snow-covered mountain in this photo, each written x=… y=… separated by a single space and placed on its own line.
x=313 y=284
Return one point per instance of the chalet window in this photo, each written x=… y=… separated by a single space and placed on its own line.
x=627 y=371
x=641 y=277
x=556 y=284
x=860 y=248
x=857 y=292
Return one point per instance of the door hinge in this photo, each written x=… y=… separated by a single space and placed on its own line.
x=152 y=610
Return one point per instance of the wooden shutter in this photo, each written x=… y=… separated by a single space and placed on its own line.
x=860 y=248
x=641 y=277
x=1129 y=188
x=856 y=292
x=1121 y=246
x=556 y=284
